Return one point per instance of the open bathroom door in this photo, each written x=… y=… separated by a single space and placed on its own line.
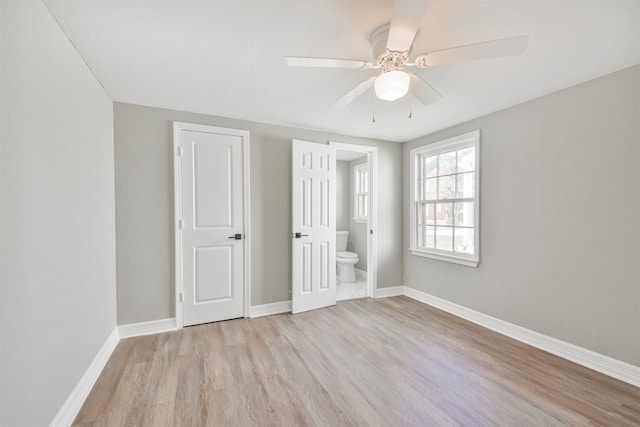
x=314 y=229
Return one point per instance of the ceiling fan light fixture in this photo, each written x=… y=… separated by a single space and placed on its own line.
x=392 y=85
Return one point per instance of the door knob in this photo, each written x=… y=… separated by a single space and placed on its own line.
x=298 y=235
x=237 y=236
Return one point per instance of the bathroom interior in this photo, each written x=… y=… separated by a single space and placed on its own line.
x=352 y=216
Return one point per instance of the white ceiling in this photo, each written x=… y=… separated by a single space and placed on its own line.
x=226 y=58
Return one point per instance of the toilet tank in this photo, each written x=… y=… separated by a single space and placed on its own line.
x=341 y=240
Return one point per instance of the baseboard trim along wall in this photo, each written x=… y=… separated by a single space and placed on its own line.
x=269 y=309
x=74 y=402
x=588 y=358
x=392 y=291
x=147 y=328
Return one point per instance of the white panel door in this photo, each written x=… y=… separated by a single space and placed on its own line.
x=212 y=228
x=314 y=230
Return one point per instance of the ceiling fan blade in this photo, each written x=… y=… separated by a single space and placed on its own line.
x=354 y=93
x=423 y=91
x=405 y=22
x=491 y=49
x=299 y=61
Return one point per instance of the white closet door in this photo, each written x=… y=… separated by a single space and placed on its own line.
x=212 y=224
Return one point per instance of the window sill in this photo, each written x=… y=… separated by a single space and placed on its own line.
x=448 y=258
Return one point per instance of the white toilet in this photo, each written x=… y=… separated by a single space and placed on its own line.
x=345 y=261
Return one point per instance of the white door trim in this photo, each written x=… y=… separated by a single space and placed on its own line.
x=372 y=224
x=177 y=203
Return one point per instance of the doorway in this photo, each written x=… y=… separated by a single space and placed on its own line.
x=356 y=215
x=315 y=236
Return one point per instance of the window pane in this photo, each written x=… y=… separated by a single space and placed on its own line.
x=444 y=214
x=429 y=166
x=365 y=207
x=362 y=206
x=464 y=241
x=365 y=182
x=467 y=159
x=447 y=163
x=429 y=189
x=444 y=238
x=466 y=185
x=428 y=210
x=429 y=237
x=447 y=187
x=463 y=214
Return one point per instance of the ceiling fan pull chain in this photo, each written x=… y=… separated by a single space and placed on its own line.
x=373 y=109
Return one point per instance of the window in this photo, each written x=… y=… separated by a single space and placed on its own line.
x=361 y=192
x=445 y=192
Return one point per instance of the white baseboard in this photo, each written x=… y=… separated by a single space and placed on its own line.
x=392 y=291
x=588 y=358
x=272 y=308
x=147 y=328
x=74 y=402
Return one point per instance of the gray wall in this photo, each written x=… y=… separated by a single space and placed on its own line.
x=343 y=193
x=358 y=230
x=144 y=208
x=560 y=218
x=58 y=303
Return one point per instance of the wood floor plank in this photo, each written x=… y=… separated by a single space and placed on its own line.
x=387 y=362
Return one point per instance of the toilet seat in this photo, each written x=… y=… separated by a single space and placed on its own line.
x=346 y=254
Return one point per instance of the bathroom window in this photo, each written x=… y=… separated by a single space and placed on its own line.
x=444 y=205
x=361 y=192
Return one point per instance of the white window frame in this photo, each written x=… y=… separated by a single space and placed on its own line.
x=454 y=143
x=358 y=170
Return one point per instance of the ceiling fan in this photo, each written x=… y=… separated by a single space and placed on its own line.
x=392 y=45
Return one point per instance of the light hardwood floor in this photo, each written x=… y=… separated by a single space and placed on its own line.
x=386 y=362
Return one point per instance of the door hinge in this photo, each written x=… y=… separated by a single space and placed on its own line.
x=371 y=231
x=180 y=224
x=181 y=297
x=179 y=151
